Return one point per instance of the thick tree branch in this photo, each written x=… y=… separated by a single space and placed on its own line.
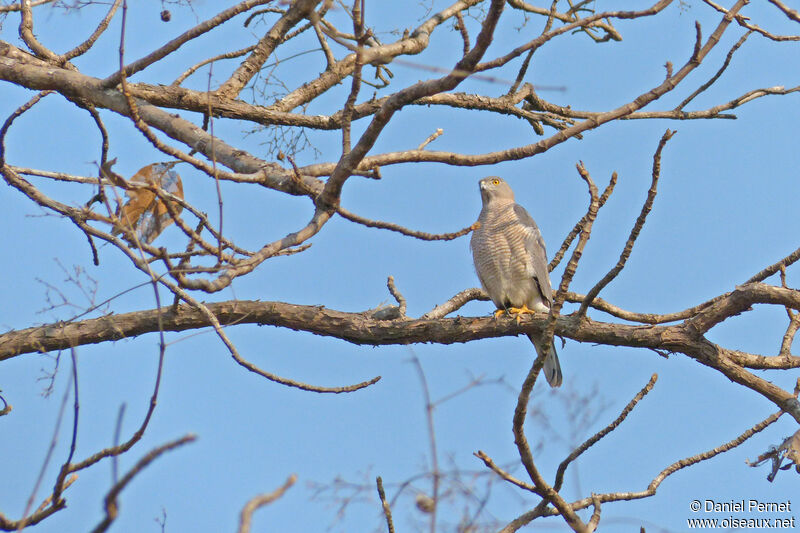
x=358 y=329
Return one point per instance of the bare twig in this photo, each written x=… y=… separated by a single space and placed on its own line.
x=772 y=269
x=387 y=511
x=250 y=66
x=683 y=463
x=716 y=76
x=791 y=332
x=526 y=518
x=562 y=468
x=28 y=37
x=111 y=504
x=595 y=519
x=65 y=468
x=401 y=301
x=89 y=42
x=576 y=230
x=455 y=303
x=400 y=229
x=13 y=116
x=551 y=16
x=115 y=443
x=227 y=55
x=246 y=516
x=103 y=132
x=355 y=87
x=644 y=318
x=462 y=28
x=505 y=475
x=742 y=21
x=210 y=116
x=58 y=503
x=435 y=473
x=432 y=137
x=791 y=13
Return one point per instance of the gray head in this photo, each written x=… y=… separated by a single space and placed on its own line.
x=495 y=189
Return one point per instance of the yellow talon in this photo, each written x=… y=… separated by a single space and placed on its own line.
x=516 y=312
x=519 y=311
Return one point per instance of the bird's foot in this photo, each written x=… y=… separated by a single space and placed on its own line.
x=517 y=312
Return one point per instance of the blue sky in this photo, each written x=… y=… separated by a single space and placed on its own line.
x=726 y=208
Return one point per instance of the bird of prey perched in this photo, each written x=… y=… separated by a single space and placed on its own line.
x=511 y=262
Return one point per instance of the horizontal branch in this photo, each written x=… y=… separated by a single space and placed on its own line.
x=363 y=328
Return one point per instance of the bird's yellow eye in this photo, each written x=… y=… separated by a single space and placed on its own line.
x=495 y=181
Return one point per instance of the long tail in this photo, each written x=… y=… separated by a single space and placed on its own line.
x=552 y=368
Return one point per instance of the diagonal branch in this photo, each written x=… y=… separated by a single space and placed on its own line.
x=174 y=44
x=576 y=230
x=23 y=69
x=716 y=76
x=772 y=269
x=523 y=152
x=741 y=20
x=562 y=468
x=89 y=42
x=651 y=489
x=548 y=493
x=637 y=228
x=297 y=11
x=791 y=13
x=111 y=504
x=27 y=36
x=349 y=162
